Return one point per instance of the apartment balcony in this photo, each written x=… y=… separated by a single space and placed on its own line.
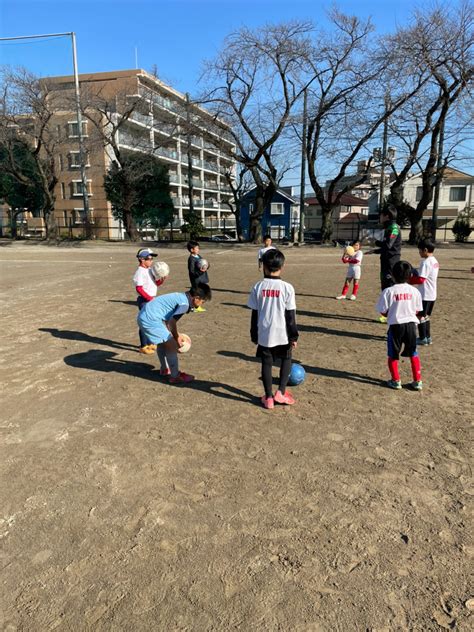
x=135 y=142
x=174 y=178
x=209 y=166
x=138 y=117
x=211 y=185
x=163 y=152
x=196 y=182
x=211 y=204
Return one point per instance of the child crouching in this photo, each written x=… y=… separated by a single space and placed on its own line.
x=158 y=321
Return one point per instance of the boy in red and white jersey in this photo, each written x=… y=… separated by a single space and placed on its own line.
x=146 y=288
x=273 y=326
x=353 y=271
x=426 y=278
x=401 y=303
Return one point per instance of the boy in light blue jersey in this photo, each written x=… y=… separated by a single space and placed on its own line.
x=158 y=321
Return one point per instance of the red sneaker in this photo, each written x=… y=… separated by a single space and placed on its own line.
x=268 y=402
x=165 y=372
x=287 y=398
x=182 y=378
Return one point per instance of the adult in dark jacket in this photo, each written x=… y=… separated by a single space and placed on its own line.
x=389 y=248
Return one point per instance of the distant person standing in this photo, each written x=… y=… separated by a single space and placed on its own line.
x=267 y=245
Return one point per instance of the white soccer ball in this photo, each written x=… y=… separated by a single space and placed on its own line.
x=203 y=265
x=160 y=270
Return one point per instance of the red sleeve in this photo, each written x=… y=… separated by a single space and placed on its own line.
x=350 y=260
x=416 y=280
x=141 y=291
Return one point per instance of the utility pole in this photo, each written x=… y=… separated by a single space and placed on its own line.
x=303 y=168
x=384 y=157
x=78 y=114
x=439 y=177
x=82 y=152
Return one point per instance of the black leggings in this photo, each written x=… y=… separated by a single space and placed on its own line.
x=267 y=379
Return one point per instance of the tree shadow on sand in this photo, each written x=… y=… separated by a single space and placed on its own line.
x=315 y=370
x=108 y=362
x=67 y=334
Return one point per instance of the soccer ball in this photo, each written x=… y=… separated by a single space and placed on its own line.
x=160 y=270
x=349 y=252
x=186 y=344
x=297 y=375
x=203 y=265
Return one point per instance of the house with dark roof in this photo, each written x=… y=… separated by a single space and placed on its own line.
x=281 y=216
x=349 y=215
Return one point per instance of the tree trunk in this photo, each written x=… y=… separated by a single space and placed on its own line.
x=130 y=225
x=416 y=227
x=326 y=226
x=13 y=226
x=255 y=230
x=50 y=224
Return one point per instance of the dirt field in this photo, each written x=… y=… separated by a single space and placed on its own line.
x=131 y=504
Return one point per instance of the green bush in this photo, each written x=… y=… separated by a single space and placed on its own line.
x=462 y=227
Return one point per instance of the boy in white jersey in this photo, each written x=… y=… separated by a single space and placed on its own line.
x=401 y=303
x=267 y=245
x=146 y=288
x=353 y=272
x=273 y=326
x=426 y=279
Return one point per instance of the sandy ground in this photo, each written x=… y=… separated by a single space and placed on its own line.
x=131 y=504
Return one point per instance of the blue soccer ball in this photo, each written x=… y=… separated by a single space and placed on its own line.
x=297 y=375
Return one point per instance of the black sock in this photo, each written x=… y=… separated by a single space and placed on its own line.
x=428 y=328
x=267 y=378
x=284 y=374
x=422 y=330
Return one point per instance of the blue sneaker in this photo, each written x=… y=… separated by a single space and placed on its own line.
x=417 y=386
x=422 y=342
x=395 y=384
x=430 y=341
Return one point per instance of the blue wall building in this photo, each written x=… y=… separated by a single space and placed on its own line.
x=280 y=217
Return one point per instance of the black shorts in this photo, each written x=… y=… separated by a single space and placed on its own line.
x=399 y=335
x=427 y=309
x=275 y=353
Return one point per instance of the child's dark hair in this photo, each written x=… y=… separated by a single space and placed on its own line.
x=356 y=241
x=201 y=291
x=191 y=244
x=273 y=260
x=401 y=271
x=426 y=244
x=267 y=236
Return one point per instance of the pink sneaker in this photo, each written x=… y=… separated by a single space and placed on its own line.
x=287 y=398
x=165 y=372
x=182 y=378
x=268 y=402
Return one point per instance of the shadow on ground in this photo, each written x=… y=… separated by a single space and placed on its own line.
x=108 y=362
x=67 y=334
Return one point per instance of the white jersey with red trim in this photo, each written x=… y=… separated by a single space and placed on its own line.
x=428 y=269
x=144 y=278
x=272 y=297
x=354 y=269
x=401 y=302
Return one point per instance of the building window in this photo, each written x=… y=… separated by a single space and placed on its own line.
x=419 y=193
x=74 y=159
x=73 y=129
x=457 y=194
x=77 y=188
x=63 y=190
x=277 y=208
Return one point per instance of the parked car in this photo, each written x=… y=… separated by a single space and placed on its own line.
x=222 y=238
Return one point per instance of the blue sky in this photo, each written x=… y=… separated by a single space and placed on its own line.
x=176 y=35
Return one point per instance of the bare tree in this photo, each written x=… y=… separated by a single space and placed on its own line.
x=347 y=105
x=27 y=108
x=260 y=76
x=439 y=43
